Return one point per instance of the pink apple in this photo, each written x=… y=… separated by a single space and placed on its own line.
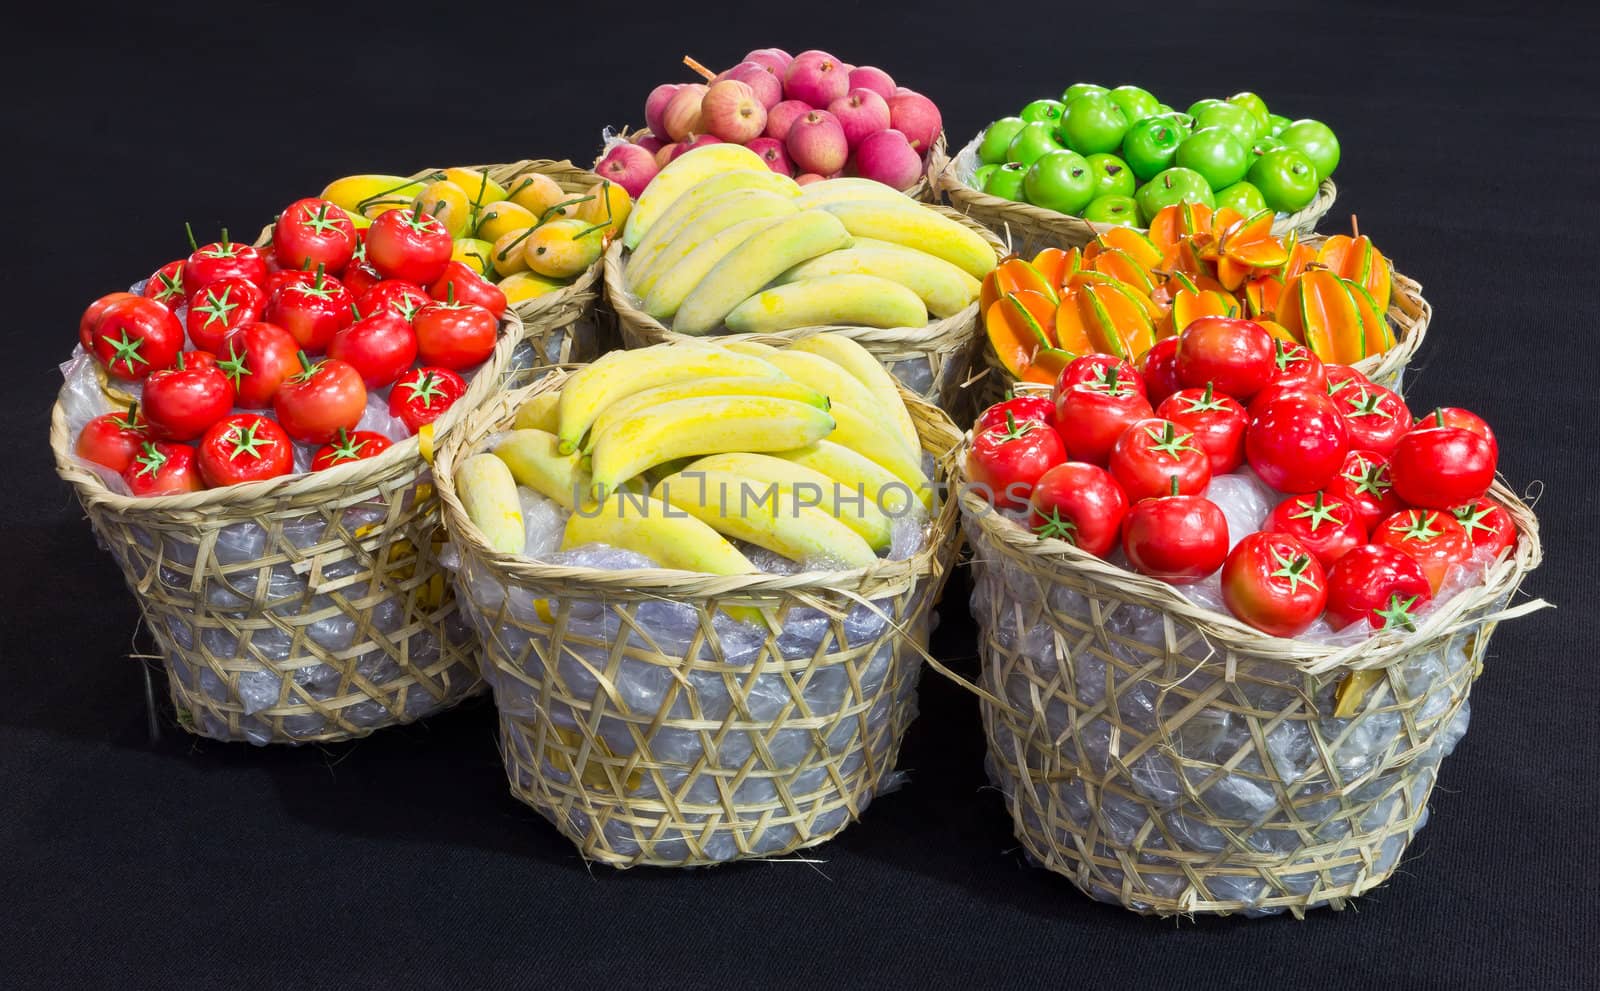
x=915 y=116
x=860 y=112
x=873 y=78
x=666 y=154
x=806 y=179
x=700 y=142
x=889 y=158
x=816 y=142
x=681 y=117
x=655 y=105
x=772 y=152
x=649 y=142
x=774 y=58
x=768 y=87
x=782 y=117
x=629 y=166
x=815 y=77
x=731 y=111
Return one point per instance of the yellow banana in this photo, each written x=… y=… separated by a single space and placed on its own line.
x=867 y=437
x=489 y=495
x=639 y=402
x=754 y=348
x=370 y=195
x=867 y=370
x=829 y=301
x=535 y=461
x=667 y=292
x=820 y=374
x=726 y=212
x=681 y=175
x=916 y=226
x=703 y=425
x=539 y=413
x=698 y=200
x=647 y=525
x=754 y=263
x=943 y=288
x=852 y=506
x=857 y=473
x=849 y=189
x=761 y=513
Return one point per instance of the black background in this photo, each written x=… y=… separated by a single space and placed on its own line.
x=1470 y=153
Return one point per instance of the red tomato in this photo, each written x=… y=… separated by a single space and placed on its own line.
x=1487 y=524
x=1004 y=463
x=1155 y=458
x=220 y=308
x=182 y=401
x=1431 y=537
x=260 y=357
x=1342 y=377
x=409 y=244
x=392 y=295
x=165 y=285
x=1098 y=369
x=1218 y=423
x=1161 y=369
x=163 y=468
x=1326 y=524
x=1039 y=409
x=1377 y=583
x=455 y=335
x=359 y=278
x=347 y=447
x=423 y=395
x=91 y=317
x=136 y=336
x=1232 y=354
x=1280 y=390
x=1377 y=418
x=380 y=347
x=1297 y=443
x=245 y=447
x=321 y=398
x=1294 y=364
x=284 y=278
x=1454 y=416
x=312 y=312
x=1273 y=583
x=460 y=284
x=1440 y=466
x=222 y=259
x=1091 y=417
x=313 y=232
x=1081 y=504
x=113 y=440
x=1364 y=483
x=1178 y=538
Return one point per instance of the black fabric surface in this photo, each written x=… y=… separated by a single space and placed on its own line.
x=401 y=861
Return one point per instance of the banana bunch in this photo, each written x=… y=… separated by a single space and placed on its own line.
x=677 y=451
x=532 y=239
x=718 y=240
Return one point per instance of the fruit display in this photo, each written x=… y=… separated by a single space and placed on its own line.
x=809 y=116
x=1298 y=490
x=1129 y=293
x=1119 y=156
x=718 y=242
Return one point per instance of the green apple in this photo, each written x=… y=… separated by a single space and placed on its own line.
x=1286 y=178
x=1263 y=144
x=1183 y=122
x=1061 y=181
x=1093 y=123
x=1136 y=103
x=1253 y=103
x=980 y=178
x=997 y=139
x=1119 y=210
x=1317 y=141
x=1112 y=177
x=1240 y=121
x=1276 y=123
x=1079 y=89
x=1006 y=181
x=1048 y=111
x=1175 y=185
x=1032 y=141
x=1216 y=154
x=1243 y=197
x=1199 y=107
x=1151 y=145
x=1164 y=109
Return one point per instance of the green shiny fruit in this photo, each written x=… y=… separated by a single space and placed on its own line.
x=1151 y=145
x=1240 y=121
x=1092 y=124
x=1164 y=109
x=980 y=178
x=1243 y=197
x=1033 y=140
x=1253 y=103
x=1183 y=122
x=1079 y=89
x=1216 y=154
x=1317 y=141
x=1199 y=107
x=1112 y=176
x=1286 y=178
x=1122 y=211
x=1061 y=181
x=1048 y=111
x=1006 y=181
x=1175 y=185
x=1136 y=103
x=1276 y=123
x=1263 y=144
x=997 y=139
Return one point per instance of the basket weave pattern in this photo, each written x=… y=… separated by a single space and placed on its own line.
x=1166 y=758
x=715 y=741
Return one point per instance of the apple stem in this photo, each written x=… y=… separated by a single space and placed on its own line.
x=704 y=73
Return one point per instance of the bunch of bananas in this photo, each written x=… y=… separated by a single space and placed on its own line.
x=719 y=240
x=675 y=451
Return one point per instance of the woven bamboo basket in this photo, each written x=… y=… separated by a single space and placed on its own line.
x=1167 y=758
x=304 y=609
x=727 y=743
x=1409 y=314
x=1030 y=229
x=932 y=361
